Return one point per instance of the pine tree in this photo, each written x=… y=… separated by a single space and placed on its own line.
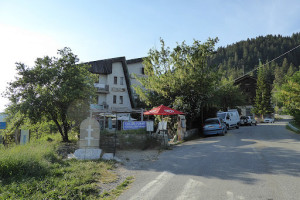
x=263 y=103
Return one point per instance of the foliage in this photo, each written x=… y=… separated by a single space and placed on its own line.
x=19 y=121
x=35 y=171
x=55 y=89
x=241 y=57
x=263 y=104
x=289 y=95
x=228 y=95
x=179 y=78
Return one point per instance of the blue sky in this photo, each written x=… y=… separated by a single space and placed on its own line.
x=99 y=29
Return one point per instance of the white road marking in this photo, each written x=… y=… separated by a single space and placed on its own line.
x=189 y=187
x=150 y=190
x=229 y=195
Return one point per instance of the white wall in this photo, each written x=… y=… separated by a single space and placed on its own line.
x=135 y=68
x=117 y=89
x=103 y=79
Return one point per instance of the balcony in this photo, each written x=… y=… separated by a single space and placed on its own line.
x=99 y=107
x=102 y=88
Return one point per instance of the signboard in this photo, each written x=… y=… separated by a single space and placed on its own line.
x=24 y=136
x=2 y=125
x=150 y=126
x=134 y=125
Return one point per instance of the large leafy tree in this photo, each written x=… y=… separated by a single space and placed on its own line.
x=180 y=78
x=263 y=104
x=228 y=95
x=53 y=89
x=289 y=95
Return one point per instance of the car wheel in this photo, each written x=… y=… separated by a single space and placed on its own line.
x=237 y=127
x=223 y=132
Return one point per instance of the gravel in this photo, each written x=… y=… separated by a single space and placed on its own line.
x=132 y=161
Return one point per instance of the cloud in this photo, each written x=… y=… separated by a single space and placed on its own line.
x=20 y=45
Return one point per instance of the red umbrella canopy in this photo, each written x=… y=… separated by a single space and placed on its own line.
x=163 y=110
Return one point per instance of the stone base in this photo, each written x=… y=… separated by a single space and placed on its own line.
x=87 y=154
x=110 y=156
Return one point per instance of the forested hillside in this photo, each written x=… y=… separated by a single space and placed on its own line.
x=243 y=56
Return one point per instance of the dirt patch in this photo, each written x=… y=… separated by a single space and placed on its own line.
x=131 y=162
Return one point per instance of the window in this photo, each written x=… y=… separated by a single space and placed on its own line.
x=97 y=99
x=121 y=99
x=121 y=80
x=114 y=99
x=115 y=80
x=143 y=70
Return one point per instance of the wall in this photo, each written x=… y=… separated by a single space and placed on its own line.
x=190 y=134
x=117 y=89
x=127 y=141
x=135 y=68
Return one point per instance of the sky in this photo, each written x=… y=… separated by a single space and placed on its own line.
x=101 y=29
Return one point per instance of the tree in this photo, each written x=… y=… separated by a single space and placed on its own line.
x=289 y=95
x=180 y=78
x=263 y=92
x=53 y=89
x=228 y=95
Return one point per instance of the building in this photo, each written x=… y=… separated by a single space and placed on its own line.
x=115 y=83
x=247 y=84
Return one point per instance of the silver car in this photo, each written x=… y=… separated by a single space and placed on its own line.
x=251 y=121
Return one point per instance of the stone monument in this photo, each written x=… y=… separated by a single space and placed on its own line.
x=89 y=143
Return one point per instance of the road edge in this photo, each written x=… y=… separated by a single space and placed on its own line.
x=293 y=127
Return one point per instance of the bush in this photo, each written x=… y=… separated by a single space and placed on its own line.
x=35 y=171
x=24 y=161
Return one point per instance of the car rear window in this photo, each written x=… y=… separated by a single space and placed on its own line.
x=211 y=121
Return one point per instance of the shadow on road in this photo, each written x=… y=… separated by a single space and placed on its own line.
x=240 y=155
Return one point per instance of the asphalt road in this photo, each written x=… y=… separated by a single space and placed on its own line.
x=257 y=162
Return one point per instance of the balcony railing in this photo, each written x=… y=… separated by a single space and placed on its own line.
x=102 y=88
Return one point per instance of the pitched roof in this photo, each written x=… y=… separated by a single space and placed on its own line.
x=240 y=79
x=105 y=67
x=136 y=60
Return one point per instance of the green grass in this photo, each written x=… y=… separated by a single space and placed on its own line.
x=35 y=171
x=295 y=125
x=118 y=191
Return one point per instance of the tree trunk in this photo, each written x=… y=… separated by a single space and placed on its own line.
x=60 y=130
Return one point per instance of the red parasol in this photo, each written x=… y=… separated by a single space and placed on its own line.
x=163 y=110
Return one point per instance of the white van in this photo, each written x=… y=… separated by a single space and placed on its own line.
x=231 y=118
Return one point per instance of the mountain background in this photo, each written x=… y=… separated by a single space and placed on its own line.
x=242 y=57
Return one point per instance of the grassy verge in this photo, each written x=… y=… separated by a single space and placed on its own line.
x=35 y=171
x=295 y=125
x=118 y=191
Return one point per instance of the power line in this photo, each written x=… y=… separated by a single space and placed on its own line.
x=270 y=61
x=256 y=68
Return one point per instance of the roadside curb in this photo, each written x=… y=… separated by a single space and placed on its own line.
x=293 y=127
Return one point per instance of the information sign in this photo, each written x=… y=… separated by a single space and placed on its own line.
x=134 y=125
x=2 y=125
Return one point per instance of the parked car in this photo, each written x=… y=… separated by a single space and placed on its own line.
x=231 y=118
x=214 y=126
x=268 y=120
x=251 y=121
x=243 y=121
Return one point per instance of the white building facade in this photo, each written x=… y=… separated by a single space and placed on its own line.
x=115 y=84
